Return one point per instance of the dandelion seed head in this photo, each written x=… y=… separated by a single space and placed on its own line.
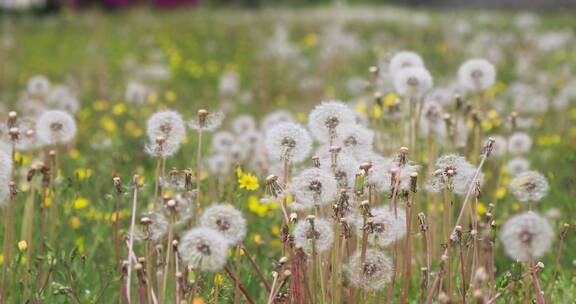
x=432 y=121
x=206 y=121
x=243 y=124
x=526 y=236
x=153 y=226
x=355 y=140
x=5 y=174
x=223 y=141
x=168 y=125
x=322 y=235
x=532 y=104
x=225 y=219
x=500 y=146
x=403 y=60
x=529 y=186
x=276 y=117
x=476 y=74
x=384 y=227
x=204 y=248
x=413 y=82
x=314 y=187
x=55 y=127
x=517 y=165
x=219 y=165
x=328 y=119
x=38 y=86
x=519 y=143
x=452 y=173
x=379 y=176
x=344 y=172
x=288 y=141
x=373 y=273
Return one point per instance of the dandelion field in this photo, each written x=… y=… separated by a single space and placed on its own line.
x=288 y=155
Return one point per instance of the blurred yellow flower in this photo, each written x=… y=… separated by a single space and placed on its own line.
x=80 y=203
x=22 y=246
x=248 y=182
x=258 y=239
x=481 y=209
x=501 y=192
x=75 y=222
x=119 y=109
x=170 y=96
x=390 y=99
x=310 y=40
x=80 y=244
x=74 y=154
x=108 y=124
x=218 y=279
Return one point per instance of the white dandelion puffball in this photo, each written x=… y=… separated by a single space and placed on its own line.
x=314 y=187
x=204 y=248
x=413 y=82
x=517 y=165
x=526 y=236
x=519 y=143
x=38 y=86
x=374 y=273
x=321 y=236
x=208 y=122
x=288 y=141
x=328 y=119
x=223 y=141
x=5 y=175
x=355 y=140
x=529 y=187
x=55 y=127
x=243 y=124
x=379 y=176
x=345 y=170
x=452 y=173
x=167 y=125
x=384 y=227
x=219 y=165
x=276 y=117
x=404 y=59
x=476 y=74
x=153 y=226
x=227 y=220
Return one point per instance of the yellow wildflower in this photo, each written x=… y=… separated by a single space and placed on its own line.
x=74 y=154
x=119 y=109
x=481 y=209
x=80 y=203
x=248 y=182
x=218 y=279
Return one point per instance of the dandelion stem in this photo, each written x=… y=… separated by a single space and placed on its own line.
x=198 y=175
x=256 y=268
x=9 y=228
x=131 y=237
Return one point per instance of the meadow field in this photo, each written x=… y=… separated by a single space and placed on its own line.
x=309 y=155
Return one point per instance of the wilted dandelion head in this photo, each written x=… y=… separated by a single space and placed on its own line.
x=167 y=125
x=412 y=82
x=204 y=248
x=315 y=232
x=314 y=187
x=476 y=74
x=373 y=273
x=5 y=172
x=243 y=124
x=206 y=121
x=276 y=117
x=384 y=227
x=328 y=119
x=404 y=59
x=529 y=187
x=517 y=165
x=38 y=86
x=288 y=141
x=452 y=173
x=227 y=220
x=526 y=236
x=55 y=127
x=519 y=143
x=500 y=146
x=152 y=227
